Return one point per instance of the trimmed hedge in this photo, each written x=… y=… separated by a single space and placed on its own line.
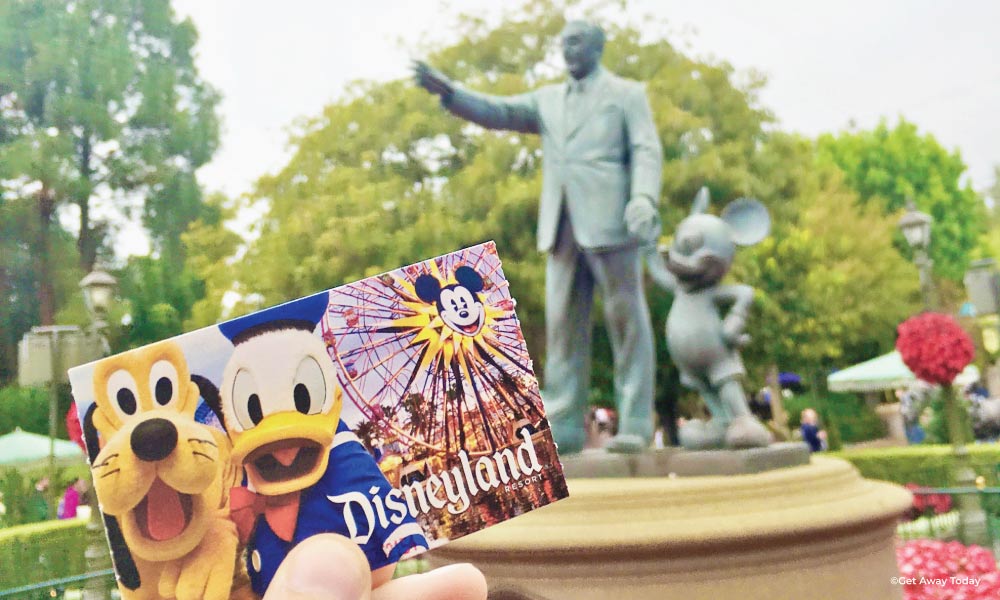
x=928 y=465
x=42 y=551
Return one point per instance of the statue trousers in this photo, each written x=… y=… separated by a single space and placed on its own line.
x=570 y=278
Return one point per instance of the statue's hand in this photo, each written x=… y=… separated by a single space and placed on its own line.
x=733 y=328
x=432 y=80
x=642 y=220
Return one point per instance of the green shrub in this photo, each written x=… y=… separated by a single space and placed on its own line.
x=929 y=465
x=854 y=420
x=24 y=407
x=15 y=491
x=937 y=428
x=42 y=551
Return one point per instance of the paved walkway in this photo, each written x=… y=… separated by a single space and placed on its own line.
x=879 y=443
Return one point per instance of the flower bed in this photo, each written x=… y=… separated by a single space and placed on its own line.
x=934 y=570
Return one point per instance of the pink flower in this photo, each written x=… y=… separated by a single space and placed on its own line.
x=973 y=567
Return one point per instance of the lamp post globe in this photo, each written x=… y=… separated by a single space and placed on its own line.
x=98 y=292
x=916 y=228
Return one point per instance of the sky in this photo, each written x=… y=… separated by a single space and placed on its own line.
x=828 y=64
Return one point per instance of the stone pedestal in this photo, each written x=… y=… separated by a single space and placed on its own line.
x=677 y=462
x=739 y=462
x=811 y=531
x=893 y=418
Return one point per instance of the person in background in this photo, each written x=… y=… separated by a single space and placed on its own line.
x=71 y=499
x=38 y=504
x=811 y=433
x=760 y=405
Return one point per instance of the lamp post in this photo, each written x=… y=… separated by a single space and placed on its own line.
x=44 y=355
x=98 y=293
x=916 y=228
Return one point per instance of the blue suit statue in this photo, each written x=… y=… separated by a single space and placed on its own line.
x=599 y=204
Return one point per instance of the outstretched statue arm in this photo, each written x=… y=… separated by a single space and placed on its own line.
x=657 y=268
x=517 y=113
x=739 y=298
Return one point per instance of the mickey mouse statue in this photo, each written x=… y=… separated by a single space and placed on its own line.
x=703 y=342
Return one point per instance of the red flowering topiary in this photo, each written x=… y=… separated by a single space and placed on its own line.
x=935 y=347
x=73 y=427
x=932 y=570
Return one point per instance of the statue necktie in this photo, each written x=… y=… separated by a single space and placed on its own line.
x=574 y=95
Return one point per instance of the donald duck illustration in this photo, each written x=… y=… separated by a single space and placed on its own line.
x=282 y=407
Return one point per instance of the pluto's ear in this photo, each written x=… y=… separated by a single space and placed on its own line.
x=90 y=435
x=428 y=288
x=121 y=556
x=701 y=201
x=210 y=394
x=468 y=278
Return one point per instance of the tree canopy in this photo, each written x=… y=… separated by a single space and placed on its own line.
x=103 y=122
x=888 y=165
x=830 y=286
x=991 y=237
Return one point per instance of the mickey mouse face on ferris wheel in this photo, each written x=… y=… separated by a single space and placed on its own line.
x=458 y=304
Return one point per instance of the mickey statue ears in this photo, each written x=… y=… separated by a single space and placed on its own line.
x=747 y=218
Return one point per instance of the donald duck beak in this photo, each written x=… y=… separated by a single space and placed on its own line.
x=286 y=452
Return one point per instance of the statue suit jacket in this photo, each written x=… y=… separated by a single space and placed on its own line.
x=605 y=154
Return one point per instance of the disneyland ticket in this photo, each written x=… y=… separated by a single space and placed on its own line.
x=400 y=411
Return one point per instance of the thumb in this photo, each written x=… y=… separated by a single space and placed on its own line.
x=322 y=567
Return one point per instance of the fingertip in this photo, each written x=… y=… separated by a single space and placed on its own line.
x=469 y=581
x=323 y=566
x=453 y=582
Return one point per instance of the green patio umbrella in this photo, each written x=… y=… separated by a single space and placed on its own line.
x=886 y=372
x=29 y=450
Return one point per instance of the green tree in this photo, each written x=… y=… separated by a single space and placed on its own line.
x=210 y=253
x=18 y=308
x=830 y=287
x=159 y=299
x=19 y=281
x=885 y=166
x=101 y=112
